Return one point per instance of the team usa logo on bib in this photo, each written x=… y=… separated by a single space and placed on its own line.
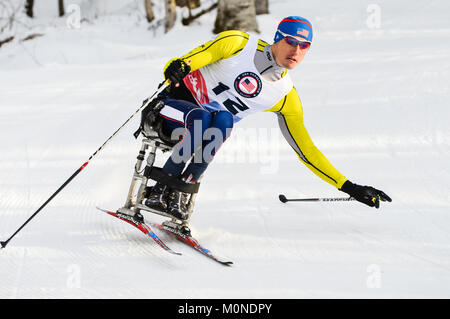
x=248 y=84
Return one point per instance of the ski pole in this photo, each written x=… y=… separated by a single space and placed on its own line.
x=161 y=87
x=325 y=199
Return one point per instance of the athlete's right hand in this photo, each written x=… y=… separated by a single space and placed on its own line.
x=176 y=71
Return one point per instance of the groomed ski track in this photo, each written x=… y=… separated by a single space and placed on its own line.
x=375 y=103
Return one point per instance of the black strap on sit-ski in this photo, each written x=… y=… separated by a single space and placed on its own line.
x=156 y=174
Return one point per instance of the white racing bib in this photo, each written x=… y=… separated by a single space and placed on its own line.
x=235 y=85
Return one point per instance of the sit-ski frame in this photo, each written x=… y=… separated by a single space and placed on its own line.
x=137 y=191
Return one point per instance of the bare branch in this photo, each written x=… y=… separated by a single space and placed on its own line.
x=190 y=18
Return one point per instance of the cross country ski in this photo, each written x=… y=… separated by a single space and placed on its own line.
x=142 y=226
x=191 y=241
x=146 y=228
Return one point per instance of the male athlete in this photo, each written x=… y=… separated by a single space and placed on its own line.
x=225 y=80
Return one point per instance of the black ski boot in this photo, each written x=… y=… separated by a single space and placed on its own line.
x=177 y=204
x=157 y=197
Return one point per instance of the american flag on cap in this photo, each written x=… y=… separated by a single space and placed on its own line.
x=295 y=26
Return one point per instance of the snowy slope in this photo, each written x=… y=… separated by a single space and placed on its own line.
x=375 y=103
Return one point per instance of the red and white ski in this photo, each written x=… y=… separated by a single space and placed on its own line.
x=143 y=227
x=192 y=242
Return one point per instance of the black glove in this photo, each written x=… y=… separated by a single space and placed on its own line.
x=176 y=71
x=365 y=194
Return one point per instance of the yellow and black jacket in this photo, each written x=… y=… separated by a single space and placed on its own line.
x=288 y=109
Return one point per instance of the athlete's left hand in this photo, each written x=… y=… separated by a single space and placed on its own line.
x=176 y=71
x=365 y=194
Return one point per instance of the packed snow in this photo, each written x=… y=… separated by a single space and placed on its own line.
x=375 y=92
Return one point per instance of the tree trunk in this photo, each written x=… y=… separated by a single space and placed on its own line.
x=61 y=8
x=236 y=15
x=191 y=4
x=149 y=11
x=181 y=3
x=262 y=6
x=171 y=14
x=29 y=8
